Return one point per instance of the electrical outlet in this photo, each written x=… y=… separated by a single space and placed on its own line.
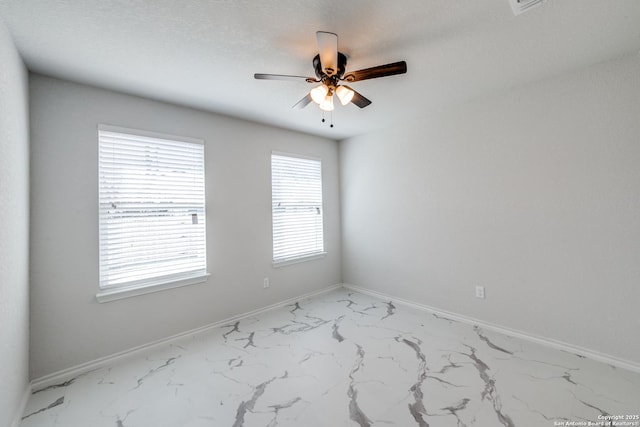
x=265 y=282
x=479 y=291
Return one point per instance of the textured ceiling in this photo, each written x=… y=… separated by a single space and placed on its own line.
x=203 y=53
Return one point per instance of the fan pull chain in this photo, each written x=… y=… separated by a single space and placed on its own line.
x=331 y=118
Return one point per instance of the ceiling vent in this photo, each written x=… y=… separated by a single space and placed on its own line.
x=521 y=6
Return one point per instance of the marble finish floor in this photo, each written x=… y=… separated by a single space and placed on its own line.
x=342 y=359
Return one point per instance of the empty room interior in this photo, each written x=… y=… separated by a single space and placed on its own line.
x=318 y=214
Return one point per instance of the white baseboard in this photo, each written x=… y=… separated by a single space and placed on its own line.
x=17 y=419
x=548 y=342
x=66 y=374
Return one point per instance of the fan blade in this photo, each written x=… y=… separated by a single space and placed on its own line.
x=328 y=49
x=283 y=77
x=375 y=72
x=303 y=102
x=359 y=100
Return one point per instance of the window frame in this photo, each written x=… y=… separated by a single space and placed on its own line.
x=132 y=288
x=276 y=263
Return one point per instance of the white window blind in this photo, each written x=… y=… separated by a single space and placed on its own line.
x=152 y=208
x=296 y=184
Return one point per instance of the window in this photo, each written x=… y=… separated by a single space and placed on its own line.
x=151 y=212
x=296 y=186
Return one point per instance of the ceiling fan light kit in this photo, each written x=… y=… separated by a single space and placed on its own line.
x=319 y=93
x=344 y=94
x=327 y=104
x=329 y=66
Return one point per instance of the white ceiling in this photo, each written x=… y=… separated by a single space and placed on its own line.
x=203 y=53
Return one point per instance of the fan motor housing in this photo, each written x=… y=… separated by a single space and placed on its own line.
x=342 y=64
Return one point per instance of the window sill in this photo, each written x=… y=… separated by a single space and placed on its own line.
x=278 y=264
x=122 y=292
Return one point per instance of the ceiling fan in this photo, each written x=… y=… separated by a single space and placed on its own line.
x=330 y=66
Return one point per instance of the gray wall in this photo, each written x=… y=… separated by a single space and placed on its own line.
x=533 y=193
x=14 y=229
x=68 y=326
